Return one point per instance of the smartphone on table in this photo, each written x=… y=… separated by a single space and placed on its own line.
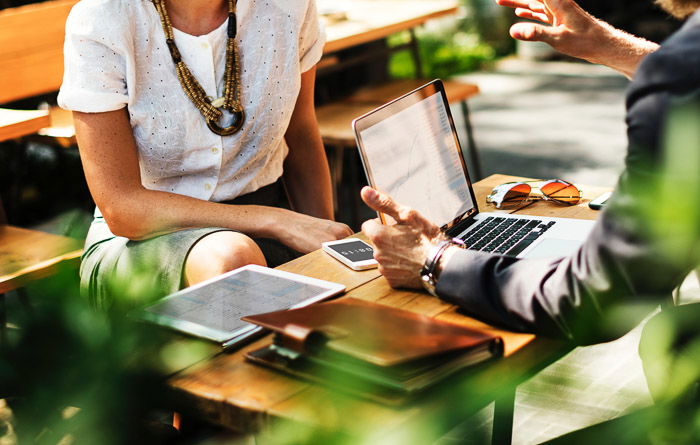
x=598 y=202
x=353 y=252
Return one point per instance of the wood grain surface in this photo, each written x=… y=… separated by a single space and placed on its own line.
x=456 y=91
x=31 y=48
x=18 y=123
x=27 y=255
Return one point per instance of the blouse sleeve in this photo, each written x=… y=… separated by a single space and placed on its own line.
x=312 y=39
x=94 y=78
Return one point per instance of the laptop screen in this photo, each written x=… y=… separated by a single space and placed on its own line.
x=410 y=150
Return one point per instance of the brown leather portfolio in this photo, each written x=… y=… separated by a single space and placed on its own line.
x=370 y=348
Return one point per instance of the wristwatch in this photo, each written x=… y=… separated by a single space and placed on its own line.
x=427 y=273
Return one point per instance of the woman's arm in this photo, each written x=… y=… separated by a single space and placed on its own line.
x=110 y=161
x=306 y=172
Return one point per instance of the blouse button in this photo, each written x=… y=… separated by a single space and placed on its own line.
x=207 y=187
x=205 y=45
x=214 y=150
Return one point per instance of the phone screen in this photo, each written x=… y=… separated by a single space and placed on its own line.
x=354 y=251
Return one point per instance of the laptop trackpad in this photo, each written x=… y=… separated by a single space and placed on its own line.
x=553 y=248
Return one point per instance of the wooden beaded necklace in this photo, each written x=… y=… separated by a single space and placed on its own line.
x=231 y=100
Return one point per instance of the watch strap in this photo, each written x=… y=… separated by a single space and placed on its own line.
x=428 y=276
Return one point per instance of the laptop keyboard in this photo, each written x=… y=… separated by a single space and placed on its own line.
x=506 y=236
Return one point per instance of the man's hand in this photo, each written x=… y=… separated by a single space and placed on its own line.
x=566 y=27
x=400 y=249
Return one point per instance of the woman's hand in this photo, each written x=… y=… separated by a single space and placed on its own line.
x=305 y=233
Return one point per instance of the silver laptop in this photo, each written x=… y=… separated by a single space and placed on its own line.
x=410 y=150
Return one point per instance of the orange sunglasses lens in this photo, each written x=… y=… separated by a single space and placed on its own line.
x=561 y=191
x=517 y=194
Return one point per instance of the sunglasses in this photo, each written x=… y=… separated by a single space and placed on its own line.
x=515 y=193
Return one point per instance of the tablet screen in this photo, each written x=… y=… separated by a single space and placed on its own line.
x=214 y=309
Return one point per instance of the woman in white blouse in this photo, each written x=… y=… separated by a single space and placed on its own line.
x=175 y=197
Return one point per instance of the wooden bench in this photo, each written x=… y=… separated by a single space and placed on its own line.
x=31 y=58
x=456 y=91
x=17 y=123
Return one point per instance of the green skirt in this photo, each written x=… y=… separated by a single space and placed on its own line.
x=116 y=270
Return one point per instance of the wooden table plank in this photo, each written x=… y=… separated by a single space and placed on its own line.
x=28 y=255
x=369 y=20
x=335 y=121
x=231 y=392
x=456 y=91
x=333 y=411
x=17 y=123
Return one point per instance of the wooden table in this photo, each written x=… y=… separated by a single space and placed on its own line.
x=17 y=123
x=369 y=20
x=28 y=255
x=227 y=390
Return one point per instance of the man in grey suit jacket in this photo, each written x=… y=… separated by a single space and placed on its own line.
x=636 y=253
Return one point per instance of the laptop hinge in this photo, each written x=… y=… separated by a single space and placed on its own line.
x=461 y=226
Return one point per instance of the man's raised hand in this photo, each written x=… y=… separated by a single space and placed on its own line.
x=567 y=28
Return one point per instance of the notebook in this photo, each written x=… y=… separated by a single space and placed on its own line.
x=410 y=150
x=377 y=351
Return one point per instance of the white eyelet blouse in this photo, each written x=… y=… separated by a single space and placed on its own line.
x=116 y=56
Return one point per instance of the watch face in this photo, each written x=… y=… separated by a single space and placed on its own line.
x=354 y=251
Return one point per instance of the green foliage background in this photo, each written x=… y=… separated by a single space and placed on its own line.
x=472 y=42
